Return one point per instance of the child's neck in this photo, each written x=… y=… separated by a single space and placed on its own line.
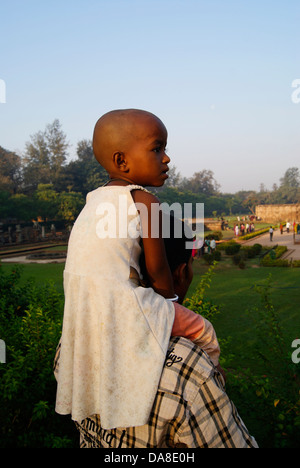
x=118 y=181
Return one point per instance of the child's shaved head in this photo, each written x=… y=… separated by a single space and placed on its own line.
x=115 y=131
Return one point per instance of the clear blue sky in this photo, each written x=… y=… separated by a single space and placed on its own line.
x=219 y=74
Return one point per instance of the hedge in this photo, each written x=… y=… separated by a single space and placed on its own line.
x=254 y=234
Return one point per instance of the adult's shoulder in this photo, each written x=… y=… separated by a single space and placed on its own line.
x=188 y=361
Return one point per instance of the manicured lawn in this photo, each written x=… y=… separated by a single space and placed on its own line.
x=233 y=290
x=40 y=272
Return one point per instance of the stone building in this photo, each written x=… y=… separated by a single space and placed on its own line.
x=278 y=213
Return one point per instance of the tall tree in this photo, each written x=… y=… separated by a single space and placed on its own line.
x=10 y=171
x=291 y=178
x=58 y=146
x=45 y=156
x=203 y=182
x=85 y=173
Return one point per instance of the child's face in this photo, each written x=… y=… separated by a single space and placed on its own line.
x=146 y=156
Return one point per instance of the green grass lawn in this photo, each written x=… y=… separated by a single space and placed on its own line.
x=233 y=290
x=40 y=272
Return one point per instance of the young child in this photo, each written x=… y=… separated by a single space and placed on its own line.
x=116 y=332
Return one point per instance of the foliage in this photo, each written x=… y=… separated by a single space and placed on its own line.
x=30 y=326
x=232 y=248
x=246 y=252
x=272 y=258
x=70 y=204
x=10 y=171
x=197 y=302
x=217 y=235
x=45 y=162
x=212 y=257
x=268 y=402
x=280 y=390
x=45 y=157
x=254 y=234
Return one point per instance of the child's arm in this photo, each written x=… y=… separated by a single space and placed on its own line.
x=197 y=329
x=158 y=270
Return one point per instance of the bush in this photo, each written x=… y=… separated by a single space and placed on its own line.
x=267 y=402
x=251 y=251
x=224 y=245
x=254 y=234
x=217 y=235
x=232 y=248
x=239 y=259
x=236 y=259
x=257 y=248
x=272 y=258
x=197 y=303
x=212 y=257
x=30 y=325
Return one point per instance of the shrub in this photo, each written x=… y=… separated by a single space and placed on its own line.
x=224 y=245
x=197 y=303
x=272 y=258
x=257 y=248
x=217 y=235
x=30 y=325
x=212 y=257
x=268 y=402
x=232 y=248
x=236 y=258
x=254 y=234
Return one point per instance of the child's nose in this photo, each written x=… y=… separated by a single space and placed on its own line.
x=166 y=158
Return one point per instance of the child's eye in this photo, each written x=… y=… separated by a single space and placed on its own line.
x=158 y=149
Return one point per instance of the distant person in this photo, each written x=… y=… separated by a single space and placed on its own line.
x=271 y=231
x=281 y=228
x=213 y=245
x=288 y=225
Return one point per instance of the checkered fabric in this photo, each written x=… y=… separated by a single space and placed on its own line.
x=191 y=409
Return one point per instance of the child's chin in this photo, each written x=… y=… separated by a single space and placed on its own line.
x=159 y=184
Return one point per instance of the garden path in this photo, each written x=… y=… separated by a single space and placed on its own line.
x=286 y=239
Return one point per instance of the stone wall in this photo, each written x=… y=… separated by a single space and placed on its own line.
x=278 y=213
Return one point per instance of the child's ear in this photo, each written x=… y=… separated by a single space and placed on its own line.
x=120 y=161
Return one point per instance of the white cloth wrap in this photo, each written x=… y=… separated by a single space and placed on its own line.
x=115 y=333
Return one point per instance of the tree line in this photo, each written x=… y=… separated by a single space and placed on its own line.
x=44 y=183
